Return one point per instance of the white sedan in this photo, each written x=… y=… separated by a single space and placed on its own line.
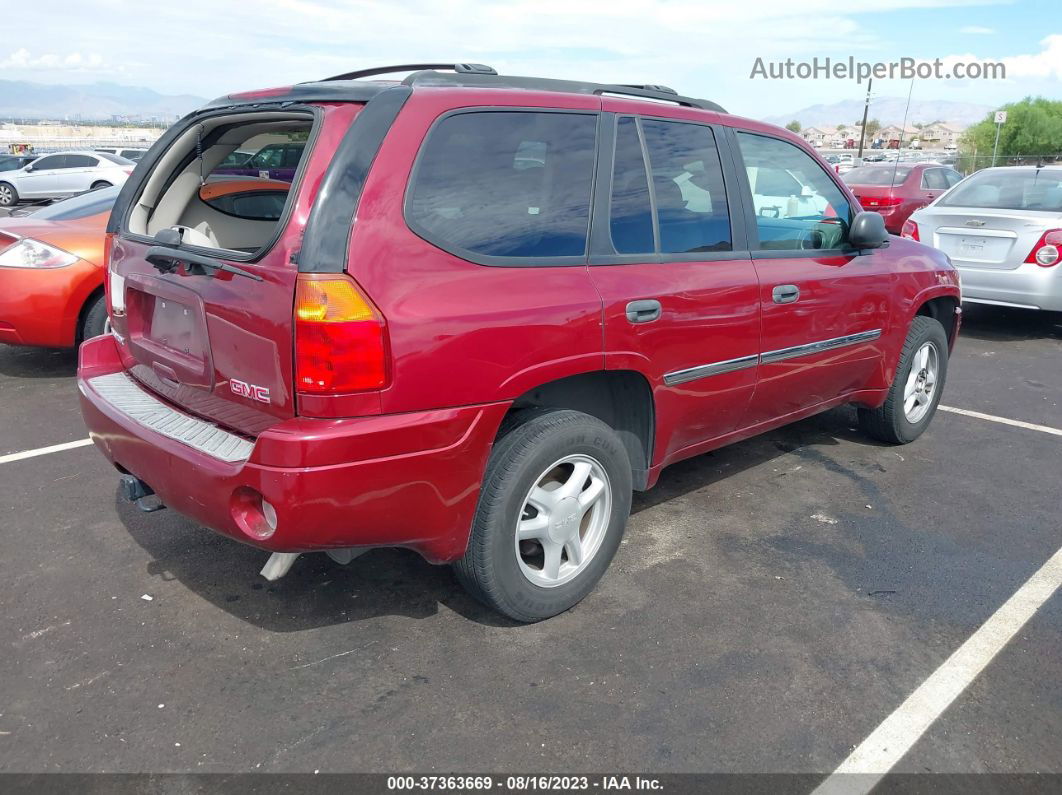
x=63 y=174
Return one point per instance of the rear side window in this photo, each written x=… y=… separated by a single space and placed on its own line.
x=80 y=161
x=933 y=179
x=688 y=188
x=512 y=184
x=953 y=177
x=792 y=196
x=630 y=213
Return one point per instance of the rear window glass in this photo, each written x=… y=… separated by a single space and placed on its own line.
x=506 y=184
x=83 y=205
x=879 y=175
x=1035 y=189
x=121 y=161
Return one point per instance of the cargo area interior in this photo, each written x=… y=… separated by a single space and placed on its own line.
x=210 y=185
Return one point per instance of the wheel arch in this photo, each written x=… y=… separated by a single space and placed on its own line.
x=946 y=310
x=622 y=399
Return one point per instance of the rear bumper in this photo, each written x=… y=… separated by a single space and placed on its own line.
x=409 y=480
x=1028 y=285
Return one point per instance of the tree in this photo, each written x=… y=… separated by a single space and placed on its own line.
x=1033 y=130
x=840 y=127
x=873 y=128
x=793 y=126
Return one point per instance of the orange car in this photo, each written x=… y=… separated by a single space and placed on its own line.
x=51 y=261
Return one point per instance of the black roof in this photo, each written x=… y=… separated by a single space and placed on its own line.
x=351 y=86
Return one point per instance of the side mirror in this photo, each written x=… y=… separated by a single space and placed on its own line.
x=868 y=231
x=28 y=169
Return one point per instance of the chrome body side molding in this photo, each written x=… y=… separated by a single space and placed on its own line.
x=769 y=357
x=705 y=370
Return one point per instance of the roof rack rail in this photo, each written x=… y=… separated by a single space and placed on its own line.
x=493 y=80
x=459 y=68
x=651 y=87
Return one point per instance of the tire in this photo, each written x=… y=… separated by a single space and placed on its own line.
x=533 y=461
x=915 y=393
x=8 y=195
x=100 y=185
x=94 y=321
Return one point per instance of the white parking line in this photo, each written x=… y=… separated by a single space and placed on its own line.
x=55 y=448
x=887 y=744
x=1002 y=420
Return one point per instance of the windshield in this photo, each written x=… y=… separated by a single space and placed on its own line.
x=81 y=206
x=1034 y=189
x=877 y=175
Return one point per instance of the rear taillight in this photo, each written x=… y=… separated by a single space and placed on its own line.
x=909 y=230
x=875 y=202
x=340 y=338
x=1045 y=252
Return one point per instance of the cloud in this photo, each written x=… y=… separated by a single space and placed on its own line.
x=22 y=59
x=977 y=30
x=1045 y=64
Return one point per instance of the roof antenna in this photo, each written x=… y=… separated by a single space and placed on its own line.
x=199 y=154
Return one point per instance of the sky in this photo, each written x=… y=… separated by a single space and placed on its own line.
x=701 y=48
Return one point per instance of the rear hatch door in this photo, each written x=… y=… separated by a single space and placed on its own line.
x=208 y=328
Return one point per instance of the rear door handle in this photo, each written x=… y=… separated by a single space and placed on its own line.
x=644 y=311
x=785 y=293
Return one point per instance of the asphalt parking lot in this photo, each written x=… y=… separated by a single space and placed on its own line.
x=772 y=604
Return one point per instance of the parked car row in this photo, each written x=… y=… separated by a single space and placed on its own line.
x=62 y=174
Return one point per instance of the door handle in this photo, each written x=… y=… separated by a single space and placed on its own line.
x=644 y=311
x=785 y=293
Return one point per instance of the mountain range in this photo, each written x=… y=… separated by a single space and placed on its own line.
x=21 y=99
x=887 y=110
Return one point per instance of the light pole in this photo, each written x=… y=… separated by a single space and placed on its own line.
x=863 y=129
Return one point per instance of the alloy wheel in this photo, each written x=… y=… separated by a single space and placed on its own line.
x=564 y=519
x=921 y=382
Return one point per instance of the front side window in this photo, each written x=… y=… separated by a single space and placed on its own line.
x=52 y=161
x=270 y=157
x=512 y=184
x=953 y=177
x=793 y=196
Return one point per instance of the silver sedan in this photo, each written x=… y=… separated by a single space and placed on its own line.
x=1002 y=227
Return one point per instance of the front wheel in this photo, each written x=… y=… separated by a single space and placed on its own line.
x=915 y=392
x=100 y=185
x=8 y=195
x=552 y=510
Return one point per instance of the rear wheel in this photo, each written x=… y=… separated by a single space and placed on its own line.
x=94 y=321
x=916 y=389
x=8 y=195
x=100 y=184
x=552 y=510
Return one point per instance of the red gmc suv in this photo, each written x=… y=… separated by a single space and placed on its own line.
x=488 y=308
